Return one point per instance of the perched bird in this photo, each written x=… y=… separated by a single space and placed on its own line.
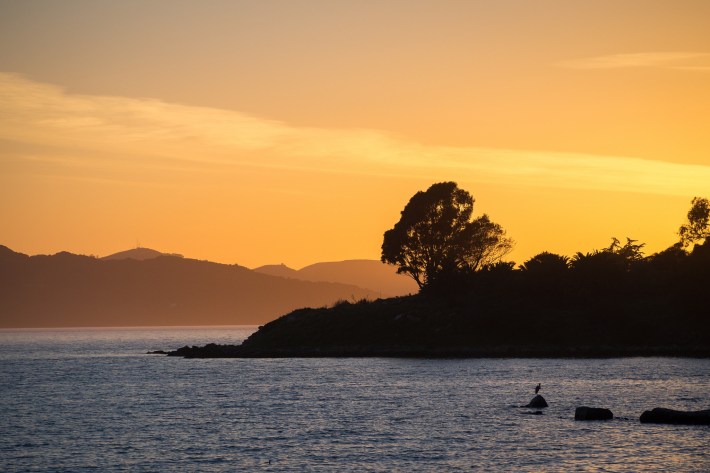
x=537 y=388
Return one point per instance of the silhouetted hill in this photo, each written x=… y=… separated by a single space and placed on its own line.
x=7 y=255
x=521 y=326
x=280 y=270
x=653 y=307
x=370 y=274
x=72 y=290
x=139 y=254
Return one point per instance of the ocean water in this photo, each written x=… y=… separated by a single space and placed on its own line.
x=91 y=400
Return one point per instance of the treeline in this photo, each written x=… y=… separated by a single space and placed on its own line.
x=439 y=245
x=618 y=270
x=614 y=295
x=599 y=304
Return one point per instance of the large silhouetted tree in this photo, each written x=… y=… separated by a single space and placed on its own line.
x=698 y=227
x=436 y=236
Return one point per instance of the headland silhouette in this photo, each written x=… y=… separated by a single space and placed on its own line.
x=613 y=301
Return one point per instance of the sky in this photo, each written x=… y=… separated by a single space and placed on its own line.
x=295 y=131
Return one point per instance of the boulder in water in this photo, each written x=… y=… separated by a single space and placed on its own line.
x=592 y=413
x=537 y=401
x=660 y=415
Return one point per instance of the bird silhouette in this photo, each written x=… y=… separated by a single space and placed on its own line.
x=537 y=388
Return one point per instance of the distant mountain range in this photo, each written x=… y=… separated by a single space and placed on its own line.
x=142 y=287
x=370 y=274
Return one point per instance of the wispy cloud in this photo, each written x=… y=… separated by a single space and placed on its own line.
x=142 y=139
x=690 y=61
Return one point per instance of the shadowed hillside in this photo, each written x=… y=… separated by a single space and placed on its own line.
x=139 y=254
x=370 y=274
x=65 y=290
x=280 y=270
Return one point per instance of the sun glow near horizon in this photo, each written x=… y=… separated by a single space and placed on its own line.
x=97 y=171
x=257 y=132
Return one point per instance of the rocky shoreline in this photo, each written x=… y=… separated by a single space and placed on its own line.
x=245 y=351
x=512 y=327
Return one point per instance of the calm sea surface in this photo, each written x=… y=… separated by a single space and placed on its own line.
x=91 y=400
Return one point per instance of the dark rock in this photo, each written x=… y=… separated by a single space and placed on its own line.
x=592 y=413
x=537 y=401
x=660 y=415
x=211 y=350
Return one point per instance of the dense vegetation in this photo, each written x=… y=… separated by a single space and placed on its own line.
x=435 y=236
x=609 y=302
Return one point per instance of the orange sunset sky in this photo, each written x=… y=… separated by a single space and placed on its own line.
x=293 y=131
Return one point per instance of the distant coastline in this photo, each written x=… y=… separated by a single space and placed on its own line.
x=144 y=287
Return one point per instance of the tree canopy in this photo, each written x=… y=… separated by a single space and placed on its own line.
x=546 y=263
x=435 y=236
x=698 y=227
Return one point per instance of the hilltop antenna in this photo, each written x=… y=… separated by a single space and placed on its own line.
x=138 y=243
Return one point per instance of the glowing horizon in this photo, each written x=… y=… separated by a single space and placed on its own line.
x=148 y=148
x=297 y=133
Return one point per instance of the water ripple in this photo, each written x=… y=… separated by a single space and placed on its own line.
x=86 y=401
